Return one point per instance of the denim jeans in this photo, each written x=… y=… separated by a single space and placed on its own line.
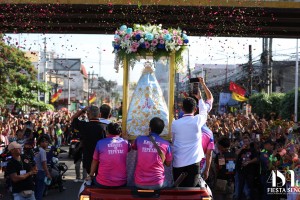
x=18 y=196
x=59 y=139
x=246 y=189
x=39 y=185
x=244 y=185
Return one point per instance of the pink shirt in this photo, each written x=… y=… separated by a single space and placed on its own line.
x=207 y=134
x=149 y=169
x=207 y=138
x=111 y=153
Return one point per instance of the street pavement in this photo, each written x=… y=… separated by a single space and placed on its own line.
x=72 y=188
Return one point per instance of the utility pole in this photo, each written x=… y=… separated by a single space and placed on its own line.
x=92 y=75
x=296 y=83
x=270 y=69
x=45 y=65
x=267 y=46
x=226 y=71
x=100 y=59
x=189 y=67
x=250 y=69
x=69 y=90
x=265 y=61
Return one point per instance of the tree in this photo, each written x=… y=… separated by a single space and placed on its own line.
x=275 y=99
x=18 y=79
x=261 y=104
x=287 y=105
x=264 y=104
x=105 y=88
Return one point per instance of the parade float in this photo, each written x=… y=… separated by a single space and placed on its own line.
x=157 y=53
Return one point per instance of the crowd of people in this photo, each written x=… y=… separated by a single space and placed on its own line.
x=26 y=138
x=236 y=154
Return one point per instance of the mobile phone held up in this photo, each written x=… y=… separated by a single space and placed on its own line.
x=195 y=88
x=194 y=80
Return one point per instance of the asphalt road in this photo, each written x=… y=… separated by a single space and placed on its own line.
x=72 y=188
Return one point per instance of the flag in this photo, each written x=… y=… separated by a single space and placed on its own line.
x=92 y=98
x=233 y=87
x=56 y=95
x=238 y=97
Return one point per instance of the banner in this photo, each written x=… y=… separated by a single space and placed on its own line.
x=238 y=97
x=92 y=98
x=56 y=95
x=224 y=98
x=237 y=89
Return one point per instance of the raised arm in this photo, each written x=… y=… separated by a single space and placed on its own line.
x=208 y=93
x=202 y=109
x=78 y=113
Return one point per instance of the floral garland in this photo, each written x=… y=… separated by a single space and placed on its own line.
x=142 y=40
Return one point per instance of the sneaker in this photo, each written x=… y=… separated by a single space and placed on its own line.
x=76 y=180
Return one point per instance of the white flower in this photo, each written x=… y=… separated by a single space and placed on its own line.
x=170 y=46
x=142 y=40
x=177 y=48
x=128 y=50
x=123 y=44
x=152 y=49
x=156 y=36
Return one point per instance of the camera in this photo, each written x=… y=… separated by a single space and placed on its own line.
x=194 y=80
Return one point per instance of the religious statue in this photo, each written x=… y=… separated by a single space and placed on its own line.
x=147 y=102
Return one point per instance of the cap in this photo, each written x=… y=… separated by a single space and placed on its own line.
x=14 y=145
x=26 y=116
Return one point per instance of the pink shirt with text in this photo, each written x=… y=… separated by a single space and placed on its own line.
x=111 y=154
x=150 y=168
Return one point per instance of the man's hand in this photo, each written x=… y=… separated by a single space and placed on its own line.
x=201 y=80
x=89 y=178
x=205 y=174
x=33 y=171
x=85 y=109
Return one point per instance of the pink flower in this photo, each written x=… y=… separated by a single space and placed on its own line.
x=174 y=32
x=133 y=49
x=179 y=41
x=135 y=44
x=127 y=37
x=154 y=42
x=161 y=37
x=165 y=31
x=147 y=45
x=161 y=41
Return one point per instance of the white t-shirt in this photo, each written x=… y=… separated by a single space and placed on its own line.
x=187 y=138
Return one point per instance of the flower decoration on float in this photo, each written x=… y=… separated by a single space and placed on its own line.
x=143 y=40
